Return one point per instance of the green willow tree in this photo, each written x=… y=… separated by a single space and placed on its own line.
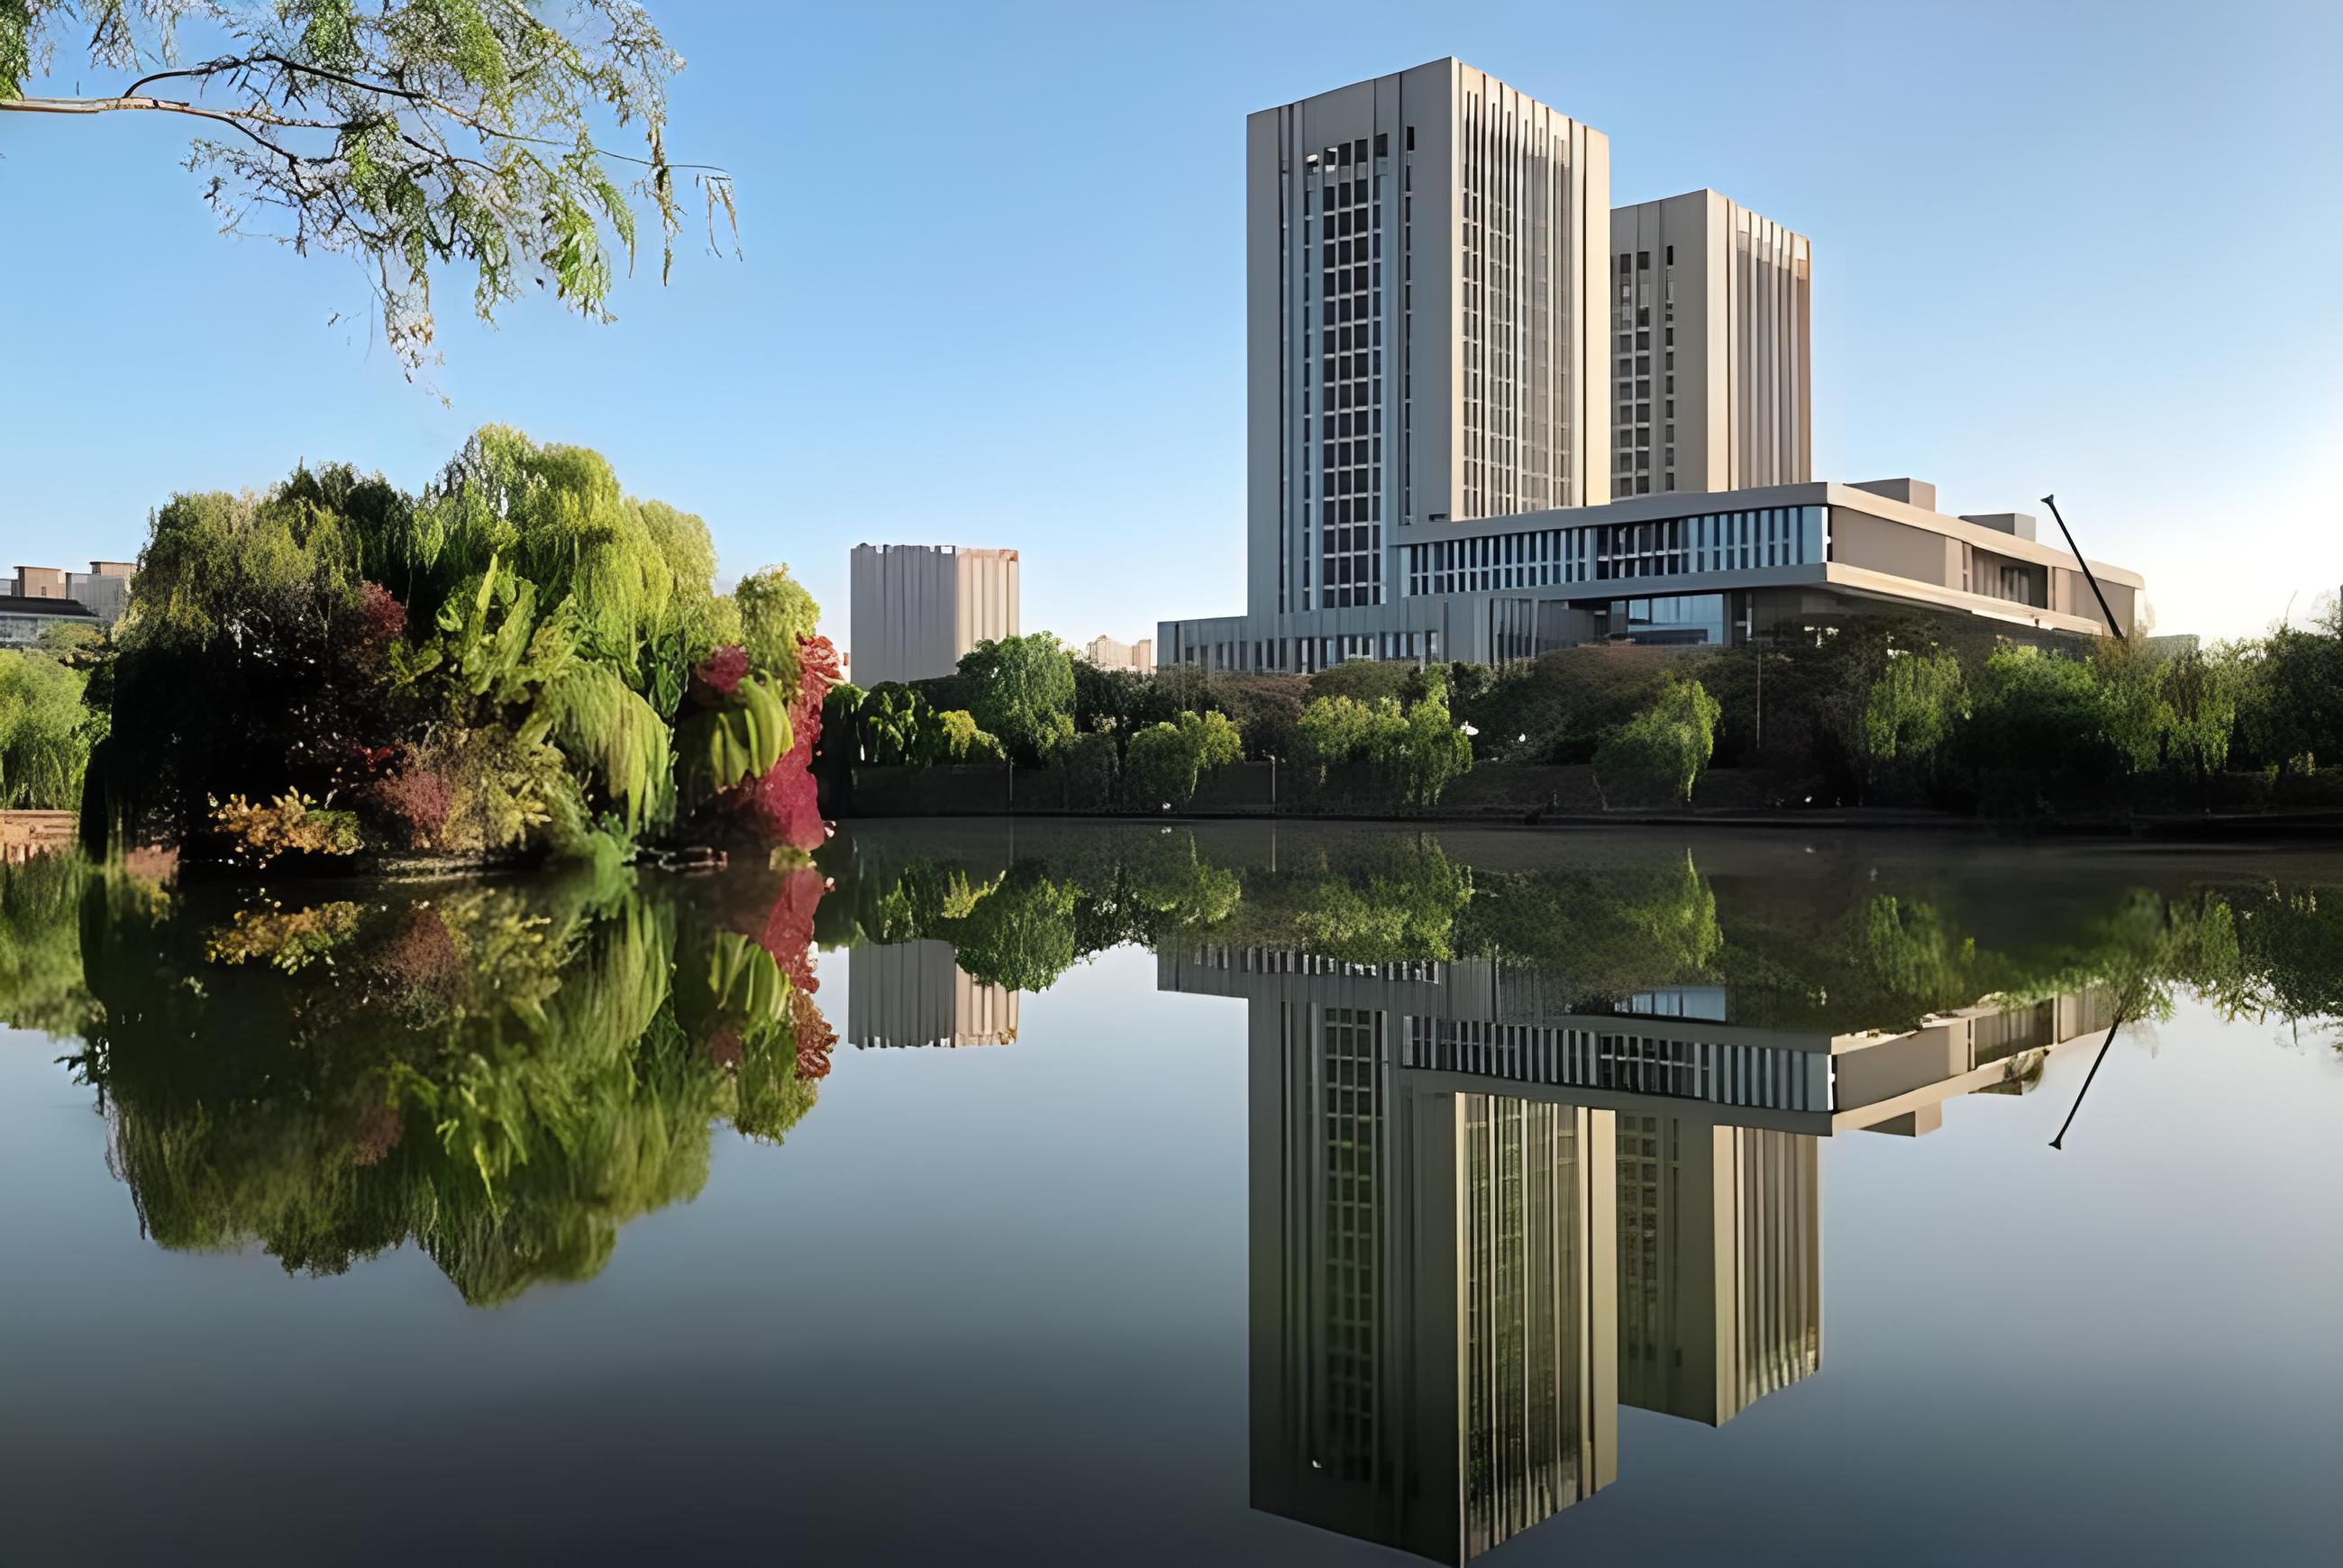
x=1167 y=761
x=1373 y=751
x=45 y=732
x=503 y=1074
x=1912 y=708
x=409 y=135
x=495 y=669
x=776 y=612
x=1660 y=754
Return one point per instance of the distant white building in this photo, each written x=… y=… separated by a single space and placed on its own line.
x=1109 y=654
x=917 y=608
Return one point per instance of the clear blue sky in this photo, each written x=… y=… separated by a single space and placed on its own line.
x=993 y=285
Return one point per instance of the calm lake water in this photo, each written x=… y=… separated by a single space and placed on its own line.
x=1098 y=1193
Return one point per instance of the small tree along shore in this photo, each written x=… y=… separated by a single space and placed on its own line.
x=1907 y=712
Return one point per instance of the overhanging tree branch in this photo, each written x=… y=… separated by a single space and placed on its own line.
x=401 y=134
x=161 y=106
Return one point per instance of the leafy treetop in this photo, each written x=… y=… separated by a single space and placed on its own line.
x=1022 y=689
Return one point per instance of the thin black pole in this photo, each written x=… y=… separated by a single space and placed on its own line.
x=2051 y=502
x=2054 y=1143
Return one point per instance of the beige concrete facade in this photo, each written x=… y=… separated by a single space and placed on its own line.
x=917 y=608
x=1423 y=285
x=24 y=834
x=1711 y=347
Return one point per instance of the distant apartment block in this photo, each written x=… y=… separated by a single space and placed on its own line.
x=1109 y=654
x=917 y=608
x=1711 y=333
x=916 y=994
x=38 y=596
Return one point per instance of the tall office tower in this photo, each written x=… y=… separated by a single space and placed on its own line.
x=1711 y=368
x=917 y=608
x=1425 y=260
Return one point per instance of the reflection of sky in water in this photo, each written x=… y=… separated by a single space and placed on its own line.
x=995 y=1302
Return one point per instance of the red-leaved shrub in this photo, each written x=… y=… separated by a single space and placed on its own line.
x=783 y=805
x=721 y=670
x=418 y=800
x=381 y=619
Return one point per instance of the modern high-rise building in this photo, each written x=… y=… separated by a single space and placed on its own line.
x=1424 y=266
x=1444 y=316
x=917 y=608
x=1711 y=327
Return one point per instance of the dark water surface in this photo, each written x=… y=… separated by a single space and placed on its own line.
x=1122 y=1194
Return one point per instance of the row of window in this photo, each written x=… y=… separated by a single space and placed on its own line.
x=1669 y=546
x=1305 y=654
x=1343 y=154
x=24 y=630
x=1753 y=1075
x=1341 y=563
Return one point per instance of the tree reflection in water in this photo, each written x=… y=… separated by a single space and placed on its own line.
x=505 y=1073
x=1849 y=947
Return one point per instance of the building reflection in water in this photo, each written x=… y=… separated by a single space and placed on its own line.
x=1482 y=1218
x=914 y=994
x=1720 y=1264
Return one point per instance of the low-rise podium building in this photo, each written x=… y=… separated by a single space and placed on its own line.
x=1679 y=568
x=35 y=597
